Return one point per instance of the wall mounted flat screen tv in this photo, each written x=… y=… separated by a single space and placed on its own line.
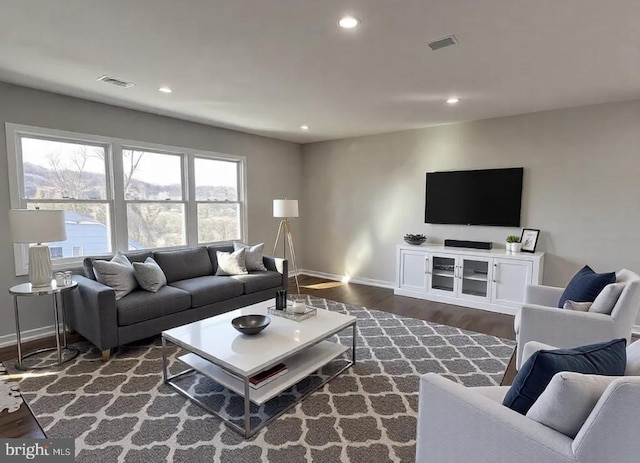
x=475 y=197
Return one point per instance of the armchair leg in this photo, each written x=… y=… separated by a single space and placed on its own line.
x=106 y=355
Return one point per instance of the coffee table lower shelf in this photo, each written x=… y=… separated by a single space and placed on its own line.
x=299 y=367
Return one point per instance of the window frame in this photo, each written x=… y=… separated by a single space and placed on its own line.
x=115 y=201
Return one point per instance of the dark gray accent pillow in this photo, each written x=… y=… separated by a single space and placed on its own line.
x=253 y=256
x=149 y=275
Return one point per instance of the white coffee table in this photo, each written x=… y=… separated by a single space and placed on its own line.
x=213 y=345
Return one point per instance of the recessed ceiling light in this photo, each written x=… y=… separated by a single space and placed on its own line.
x=348 y=22
x=165 y=90
x=304 y=127
x=453 y=100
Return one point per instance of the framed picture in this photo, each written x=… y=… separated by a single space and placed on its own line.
x=529 y=239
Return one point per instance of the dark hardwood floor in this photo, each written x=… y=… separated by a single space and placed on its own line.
x=496 y=324
x=23 y=424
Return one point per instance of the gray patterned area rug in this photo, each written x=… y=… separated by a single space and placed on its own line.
x=121 y=411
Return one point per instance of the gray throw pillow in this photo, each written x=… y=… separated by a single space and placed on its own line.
x=606 y=300
x=231 y=263
x=149 y=275
x=253 y=256
x=633 y=359
x=568 y=400
x=117 y=274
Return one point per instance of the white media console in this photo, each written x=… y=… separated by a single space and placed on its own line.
x=493 y=280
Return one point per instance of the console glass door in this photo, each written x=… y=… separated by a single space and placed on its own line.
x=475 y=278
x=443 y=273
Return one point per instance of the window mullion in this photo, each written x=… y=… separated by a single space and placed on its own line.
x=119 y=208
x=191 y=209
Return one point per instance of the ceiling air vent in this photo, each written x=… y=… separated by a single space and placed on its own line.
x=117 y=82
x=443 y=42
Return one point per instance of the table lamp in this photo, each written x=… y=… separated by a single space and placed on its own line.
x=286 y=209
x=38 y=226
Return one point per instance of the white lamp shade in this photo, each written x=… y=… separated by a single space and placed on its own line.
x=37 y=226
x=285 y=208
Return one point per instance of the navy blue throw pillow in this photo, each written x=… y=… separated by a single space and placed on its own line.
x=605 y=358
x=586 y=285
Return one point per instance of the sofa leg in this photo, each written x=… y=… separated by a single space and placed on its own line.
x=106 y=355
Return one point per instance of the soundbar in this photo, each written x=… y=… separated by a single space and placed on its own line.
x=468 y=244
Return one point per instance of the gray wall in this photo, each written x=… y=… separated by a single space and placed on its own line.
x=581 y=188
x=273 y=168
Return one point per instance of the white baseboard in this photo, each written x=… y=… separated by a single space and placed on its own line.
x=335 y=277
x=26 y=336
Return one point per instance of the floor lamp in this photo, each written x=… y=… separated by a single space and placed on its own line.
x=286 y=209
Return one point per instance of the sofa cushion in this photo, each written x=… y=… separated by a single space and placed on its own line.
x=184 y=263
x=605 y=358
x=258 y=281
x=142 y=305
x=210 y=289
x=606 y=300
x=135 y=256
x=568 y=400
x=213 y=250
x=149 y=275
x=253 y=257
x=586 y=285
x=116 y=273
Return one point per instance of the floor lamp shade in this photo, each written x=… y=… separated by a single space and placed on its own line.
x=285 y=208
x=38 y=226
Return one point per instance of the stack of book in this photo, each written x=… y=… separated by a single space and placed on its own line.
x=264 y=377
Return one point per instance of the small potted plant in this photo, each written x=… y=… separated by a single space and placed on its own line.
x=513 y=243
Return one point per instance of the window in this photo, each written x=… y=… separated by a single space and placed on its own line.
x=154 y=195
x=124 y=195
x=70 y=176
x=217 y=198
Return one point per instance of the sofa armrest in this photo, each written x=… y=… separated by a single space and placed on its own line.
x=279 y=265
x=543 y=295
x=457 y=425
x=91 y=311
x=532 y=347
x=561 y=328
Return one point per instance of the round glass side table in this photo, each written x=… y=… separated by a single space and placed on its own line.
x=65 y=353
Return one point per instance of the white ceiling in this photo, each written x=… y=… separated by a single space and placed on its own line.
x=268 y=66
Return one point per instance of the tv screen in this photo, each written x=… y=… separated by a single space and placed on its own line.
x=474 y=197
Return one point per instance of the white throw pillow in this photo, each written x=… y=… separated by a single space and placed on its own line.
x=568 y=400
x=577 y=306
x=231 y=263
x=633 y=359
x=149 y=275
x=253 y=256
x=607 y=298
x=117 y=274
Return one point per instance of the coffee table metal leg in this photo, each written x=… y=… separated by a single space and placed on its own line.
x=164 y=359
x=247 y=410
x=353 y=345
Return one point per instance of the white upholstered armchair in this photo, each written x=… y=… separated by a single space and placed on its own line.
x=541 y=320
x=457 y=424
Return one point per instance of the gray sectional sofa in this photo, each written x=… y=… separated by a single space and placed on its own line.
x=193 y=292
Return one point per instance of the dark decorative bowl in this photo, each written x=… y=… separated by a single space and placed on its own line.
x=251 y=324
x=415 y=240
